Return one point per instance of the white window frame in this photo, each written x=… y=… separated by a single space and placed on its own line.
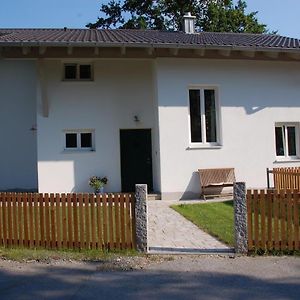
x=77 y=71
x=205 y=144
x=78 y=132
x=284 y=126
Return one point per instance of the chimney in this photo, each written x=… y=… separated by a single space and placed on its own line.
x=189 y=23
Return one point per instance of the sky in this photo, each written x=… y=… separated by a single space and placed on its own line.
x=279 y=15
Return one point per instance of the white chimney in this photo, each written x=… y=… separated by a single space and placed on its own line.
x=189 y=23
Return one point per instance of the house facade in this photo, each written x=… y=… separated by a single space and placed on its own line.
x=145 y=107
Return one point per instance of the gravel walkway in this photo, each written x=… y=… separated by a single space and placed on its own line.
x=169 y=232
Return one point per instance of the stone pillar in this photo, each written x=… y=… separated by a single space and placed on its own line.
x=240 y=218
x=141 y=217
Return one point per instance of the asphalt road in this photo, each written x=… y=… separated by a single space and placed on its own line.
x=187 y=277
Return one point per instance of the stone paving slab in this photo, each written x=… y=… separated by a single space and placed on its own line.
x=170 y=232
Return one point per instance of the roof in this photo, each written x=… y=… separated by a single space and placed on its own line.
x=144 y=38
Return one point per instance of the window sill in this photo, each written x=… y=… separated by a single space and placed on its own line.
x=79 y=80
x=286 y=160
x=67 y=151
x=204 y=146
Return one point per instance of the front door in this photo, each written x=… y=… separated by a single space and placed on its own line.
x=136 y=158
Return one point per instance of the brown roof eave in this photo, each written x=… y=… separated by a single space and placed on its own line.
x=150 y=45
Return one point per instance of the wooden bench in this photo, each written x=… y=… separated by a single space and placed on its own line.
x=216 y=178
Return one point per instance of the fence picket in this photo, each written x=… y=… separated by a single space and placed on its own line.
x=93 y=221
x=296 y=197
x=87 y=220
x=123 y=225
x=15 y=220
x=70 y=222
x=58 y=221
x=282 y=204
x=9 y=220
x=99 y=221
x=289 y=227
x=4 y=209
x=133 y=221
x=64 y=221
x=105 y=238
x=117 y=218
x=43 y=242
x=269 y=219
x=128 y=223
x=75 y=220
x=111 y=222
x=36 y=220
x=262 y=219
x=249 y=217
x=256 y=221
x=31 y=217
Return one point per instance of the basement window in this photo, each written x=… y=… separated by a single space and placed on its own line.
x=78 y=72
x=79 y=140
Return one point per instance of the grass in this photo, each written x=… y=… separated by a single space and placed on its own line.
x=23 y=254
x=216 y=219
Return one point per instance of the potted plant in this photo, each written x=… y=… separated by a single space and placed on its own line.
x=98 y=183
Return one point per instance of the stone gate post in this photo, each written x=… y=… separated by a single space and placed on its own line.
x=240 y=218
x=141 y=217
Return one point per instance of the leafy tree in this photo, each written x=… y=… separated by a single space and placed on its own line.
x=211 y=15
x=231 y=18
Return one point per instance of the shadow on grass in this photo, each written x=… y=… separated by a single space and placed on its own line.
x=87 y=282
x=228 y=203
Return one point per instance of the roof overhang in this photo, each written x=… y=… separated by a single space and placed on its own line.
x=154 y=49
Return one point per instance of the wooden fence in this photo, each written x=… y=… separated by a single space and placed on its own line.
x=273 y=219
x=73 y=221
x=285 y=178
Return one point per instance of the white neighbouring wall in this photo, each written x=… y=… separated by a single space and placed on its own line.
x=18 y=157
x=121 y=89
x=253 y=96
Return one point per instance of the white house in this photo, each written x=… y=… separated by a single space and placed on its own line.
x=145 y=107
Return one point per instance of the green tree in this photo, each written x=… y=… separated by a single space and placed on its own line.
x=211 y=15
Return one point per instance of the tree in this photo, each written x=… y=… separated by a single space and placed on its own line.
x=211 y=15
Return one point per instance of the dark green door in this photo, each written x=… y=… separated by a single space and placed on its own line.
x=136 y=158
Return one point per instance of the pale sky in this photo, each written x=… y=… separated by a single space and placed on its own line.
x=277 y=14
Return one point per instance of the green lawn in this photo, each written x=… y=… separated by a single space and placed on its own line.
x=215 y=218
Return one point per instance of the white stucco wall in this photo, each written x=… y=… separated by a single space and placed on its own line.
x=121 y=89
x=253 y=96
x=18 y=165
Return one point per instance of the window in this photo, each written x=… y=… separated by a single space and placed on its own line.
x=77 y=72
x=79 y=140
x=204 y=125
x=287 y=140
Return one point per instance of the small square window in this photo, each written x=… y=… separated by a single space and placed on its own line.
x=86 y=140
x=70 y=71
x=71 y=140
x=85 y=72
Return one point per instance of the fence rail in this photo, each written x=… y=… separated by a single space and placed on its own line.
x=285 y=178
x=273 y=219
x=74 y=221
